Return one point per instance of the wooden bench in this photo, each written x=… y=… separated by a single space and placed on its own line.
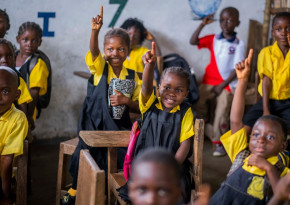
x=91 y=181
x=114 y=139
x=20 y=171
x=66 y=149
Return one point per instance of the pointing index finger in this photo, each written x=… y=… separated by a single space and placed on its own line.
x=101 y=12
x=250 y=56
x=153 y=48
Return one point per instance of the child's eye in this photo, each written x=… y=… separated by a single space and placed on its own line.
x=178 y=91
x=255 y=135
x=162 y=192
x=110 y=49
x=5 y=91
x=9 y=56
x=141 y=190
x=167 y=88
x=121 y=49
x=271 y=137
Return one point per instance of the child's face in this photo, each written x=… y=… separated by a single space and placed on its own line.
x=29 y=41
x=173 y=90
x=266 y=139
x=8 y=90
x=116 y=51
x=280 y=30
x=154 y=184
x=6 y=56
x=228 y=22
x=4 y=26
x=135 y=35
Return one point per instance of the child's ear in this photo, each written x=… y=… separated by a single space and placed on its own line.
x=284 y=145
x=17 y=95
x=40 y=42
x=17 y=39
x=8 y=27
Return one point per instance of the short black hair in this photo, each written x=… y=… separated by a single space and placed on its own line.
x=181 y=72
x=9 y=44
x=280 y=15
x=232 y=10
x=4 y=15
x=138 y=24
x=158 y=155
x=118 y=32
x=279 y=121
x=30 y=26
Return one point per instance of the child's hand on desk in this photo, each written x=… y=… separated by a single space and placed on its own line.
x=150 y=56
x=119 y=99
x=243 y=68
x=97 y=21
x=208 y=19
x=260 y=162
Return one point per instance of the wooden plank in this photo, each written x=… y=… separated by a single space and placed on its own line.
x=83 y=74
x=198 y=152
x=267 y=14
x=116 y=181
x=112 y=168
x=21 y=186
x=91 y=181
x=106 y=138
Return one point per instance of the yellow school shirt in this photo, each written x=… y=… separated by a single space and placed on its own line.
x=38 y=79
x=187 y=121
x=272 y=64
x=134 y=60
x=97 y=66
x=14 y=127
x=25 y=96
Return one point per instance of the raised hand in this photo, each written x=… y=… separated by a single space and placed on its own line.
x=150 y=56
x=243 y=67
x=208 y=19
x=97 y=21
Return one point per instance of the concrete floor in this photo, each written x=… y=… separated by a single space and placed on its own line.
x=45 y=161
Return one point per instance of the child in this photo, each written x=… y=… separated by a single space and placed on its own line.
x=95 y=114
x=166 y=121
x=29 y=39
x=7 y=58
x=274 y=72
x=137 y=33
x=155 y=178
x=256 y=168
x=4 y=23
x=13 y=130
x=219 y=79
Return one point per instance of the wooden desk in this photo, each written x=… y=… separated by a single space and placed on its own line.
x=106 y=138
x=83 y=74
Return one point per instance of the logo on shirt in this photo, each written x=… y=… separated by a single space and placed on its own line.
x=232 y=50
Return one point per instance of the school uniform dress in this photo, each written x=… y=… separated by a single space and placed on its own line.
x=225 y=54
x=134 y=60
x=14 y=128
x=167 y=130
x=271 y=63
x=25 y=96
x=37 y=78
x=245 y=184
x=95 y=113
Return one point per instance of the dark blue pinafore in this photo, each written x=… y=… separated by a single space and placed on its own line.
x=95 y=115
x=162 y=129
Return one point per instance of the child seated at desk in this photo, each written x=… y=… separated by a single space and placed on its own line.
x=97 y=114
x=14 y=127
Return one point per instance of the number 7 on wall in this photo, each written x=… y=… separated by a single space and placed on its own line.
x=119 y=10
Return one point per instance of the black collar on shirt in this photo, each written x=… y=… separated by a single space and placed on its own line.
x=232 y=39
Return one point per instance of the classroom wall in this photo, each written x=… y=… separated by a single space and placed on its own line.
x=67 y=26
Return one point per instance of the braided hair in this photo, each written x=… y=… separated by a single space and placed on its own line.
x=30 y=26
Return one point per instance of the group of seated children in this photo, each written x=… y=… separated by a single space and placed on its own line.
x=167 y=122
x=20 y=85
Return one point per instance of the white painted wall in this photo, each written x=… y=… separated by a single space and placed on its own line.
x=169 y=20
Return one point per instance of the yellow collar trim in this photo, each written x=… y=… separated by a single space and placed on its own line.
x=255 y=170
x=160 y=106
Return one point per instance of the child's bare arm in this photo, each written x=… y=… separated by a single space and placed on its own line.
x=97 y=23
x=266 y=87
x=182 y=151
x=238 y=104
x=219 y=88
x=121 y=99
x=149 y=60
x=6 y=174
x=263 y=164
x=206 y=20
x=282 y=191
